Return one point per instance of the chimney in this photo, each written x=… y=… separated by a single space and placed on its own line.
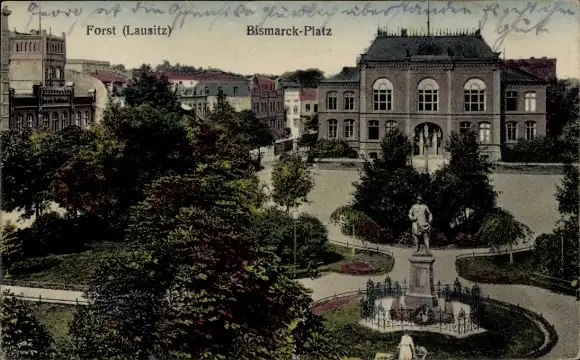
x=533 y=58
x=403 y=32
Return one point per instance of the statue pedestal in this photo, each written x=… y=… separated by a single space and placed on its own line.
x=421 y=286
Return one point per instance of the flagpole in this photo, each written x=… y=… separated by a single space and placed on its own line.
x=42 y=45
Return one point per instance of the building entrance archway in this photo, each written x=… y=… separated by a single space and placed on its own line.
x=428 y=140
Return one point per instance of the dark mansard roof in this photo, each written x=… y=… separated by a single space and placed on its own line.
x=459 y=47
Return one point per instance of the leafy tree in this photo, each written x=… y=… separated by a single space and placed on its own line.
x=23 y=337
x=548 y=250
x=119 y=67
x=388 y=187
x=463 y=188
x=148 y=87
x=308 y=78
x=310 y=136
x=567 y=193
x=355 y=222
x=274 y=229
x=291 y=181
x=500 y=228
x=256 y=132
x=562 y=106
x=196 y=284
x=331 y=149
x=24 y=176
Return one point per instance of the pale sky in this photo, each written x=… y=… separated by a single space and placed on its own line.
x=222 y=42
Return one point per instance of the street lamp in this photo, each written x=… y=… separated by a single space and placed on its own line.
x=561 y=227
x=295 y=217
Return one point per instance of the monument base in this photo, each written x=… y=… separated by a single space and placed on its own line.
x=421 y=285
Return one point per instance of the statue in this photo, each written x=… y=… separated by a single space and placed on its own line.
x=421 y=217
x=406 y=348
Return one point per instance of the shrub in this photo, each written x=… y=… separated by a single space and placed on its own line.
x=438 y=239
x=541 y=150
x=357 y=267
x=464 y=240
x=331 y=149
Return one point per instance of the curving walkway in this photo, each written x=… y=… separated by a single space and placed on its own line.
x=560 y=310
x=44 y=295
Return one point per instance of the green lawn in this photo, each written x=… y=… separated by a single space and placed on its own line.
x=339 y=257
x=509 y=335
x=62 y=269
x=498 y=270
x=57 y=319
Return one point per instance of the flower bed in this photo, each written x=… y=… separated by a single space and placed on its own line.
x=358 y=267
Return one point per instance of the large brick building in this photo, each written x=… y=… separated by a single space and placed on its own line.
x=429 y=86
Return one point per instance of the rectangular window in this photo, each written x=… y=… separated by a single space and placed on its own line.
x=332 y=129
x=511 y=101
x=349 y=101
x=530 y=130
x=315 y=107
x=530 y=101
x=349 y=129
x=382 y=99
x=373 y=130
x=474 y=100
x=511 y=131
x=332 y=101
x=428 y=100
x=307 y=107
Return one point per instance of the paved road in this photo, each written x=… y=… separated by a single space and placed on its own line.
x=46 y=295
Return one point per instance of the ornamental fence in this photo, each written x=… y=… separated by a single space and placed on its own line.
x=445 y=319
x=491 y=252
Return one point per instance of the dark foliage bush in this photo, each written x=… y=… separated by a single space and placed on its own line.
x=331 y=149
x=539 y=150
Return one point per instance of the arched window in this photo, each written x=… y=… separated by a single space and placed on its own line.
x=332 y=129
x=206 y=90
x=474 y=95
x=86 y=118
x=29 y=120
x=390 y=126
x=26 y=46
x=382 y=95
x=484 y=132
x=530 y=101
x=464 y=127
x=349 y=100
x=511 y=131
x=57 y=74
x=78 y=121
x=531 y=129
x=50 y=72
x=19 y=121
x=17 y=47
x=332 y=100
x=55 y=122
x=349 y=129
x=428 y=95
x=45 y=120
x=34 y=47
x=373 y=130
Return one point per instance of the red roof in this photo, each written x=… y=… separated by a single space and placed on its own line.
x=542 y=68
x=215 y=76
x=308 y=94
x=263 y=82
x=108 y=77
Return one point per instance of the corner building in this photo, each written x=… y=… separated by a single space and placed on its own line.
x=430 y=86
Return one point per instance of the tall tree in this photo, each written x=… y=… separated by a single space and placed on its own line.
x=462 y=193
x=308 y=78
x=388 y=187
x=567 y=192
x=291 y=181
x=149 y=87
x=563 y=105
x=197 y=285
x=24 y=176
x=501 y=228
x=256 y=132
